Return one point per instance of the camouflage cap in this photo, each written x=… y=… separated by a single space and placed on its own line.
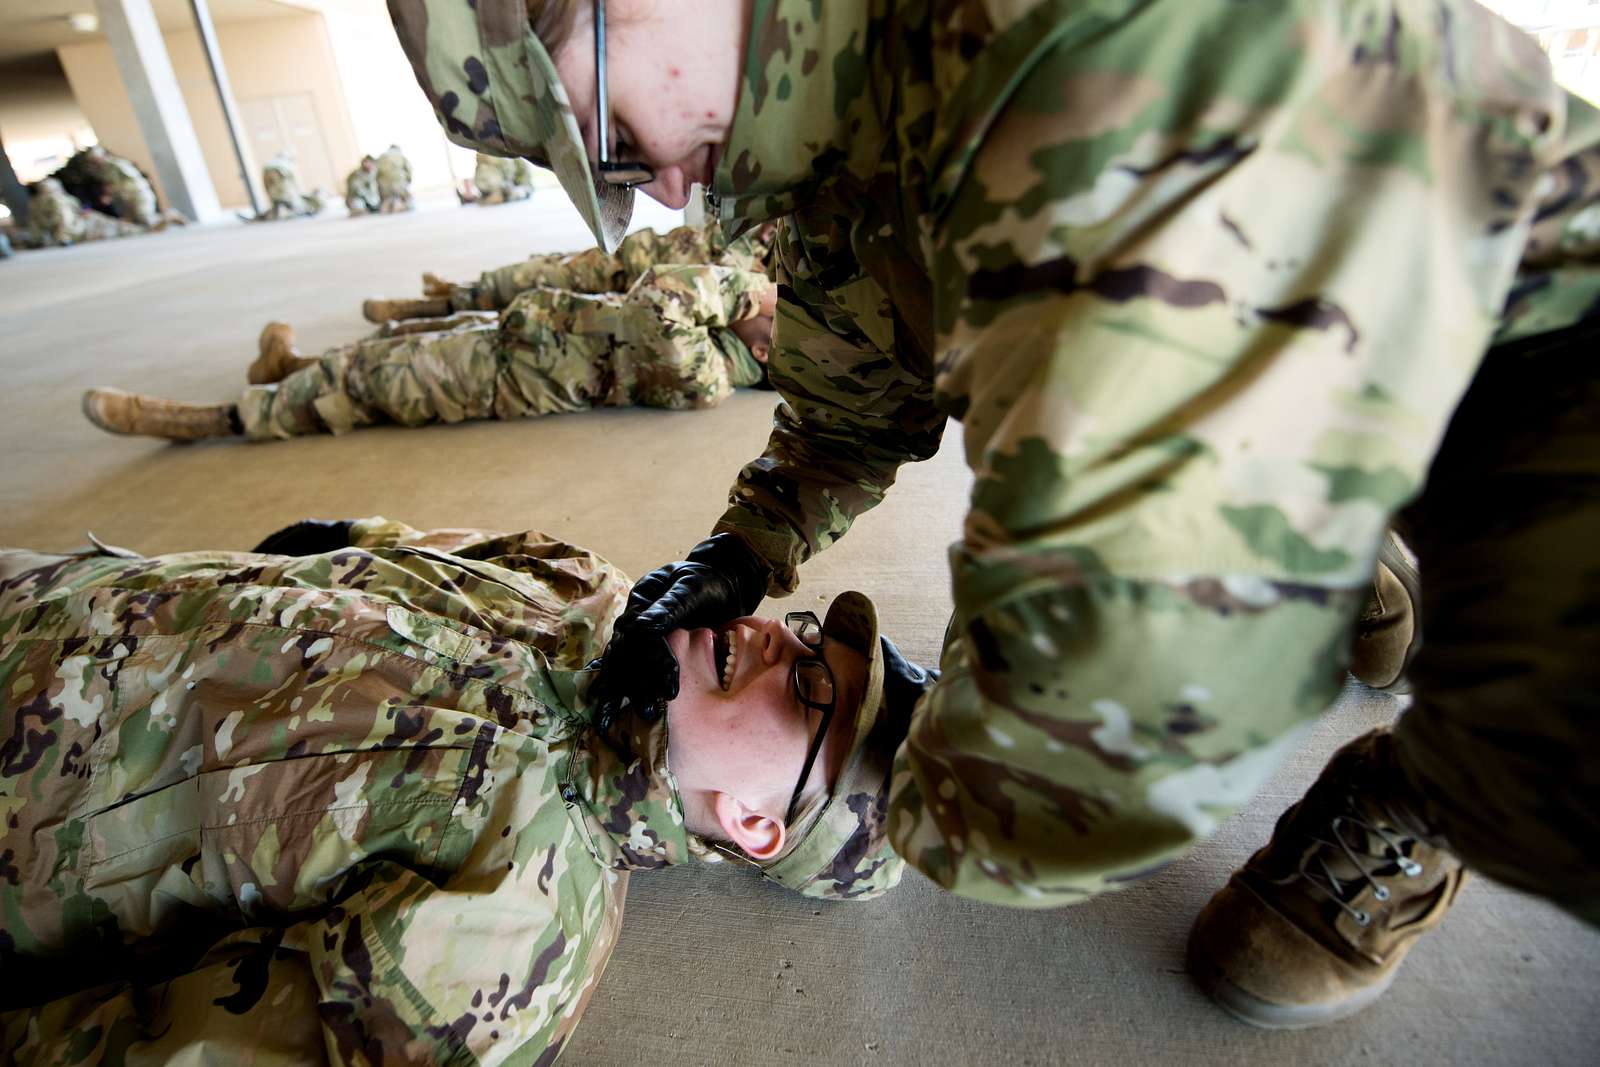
x=844 y=853
x=495 y=89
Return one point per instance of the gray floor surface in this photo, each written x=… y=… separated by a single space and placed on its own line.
x=713 y=967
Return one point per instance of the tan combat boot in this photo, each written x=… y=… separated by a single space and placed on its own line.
x=278 y=357
x=381 y=311
x=1313 y=927
x=130 y=413
x=1390 y=629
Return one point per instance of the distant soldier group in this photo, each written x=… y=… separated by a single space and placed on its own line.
x=93 y=197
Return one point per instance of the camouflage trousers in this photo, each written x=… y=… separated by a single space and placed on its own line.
x=590 y=271
x=455 y=376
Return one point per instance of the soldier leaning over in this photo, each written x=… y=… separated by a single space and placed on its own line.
x=1211 y=286
x=341 y=800
x=682 y=338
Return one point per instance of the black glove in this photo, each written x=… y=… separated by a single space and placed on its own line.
x=722 y=579
x=903 y=681
x=308 y=537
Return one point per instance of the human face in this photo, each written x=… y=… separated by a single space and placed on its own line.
x=672 y=76
x=737 y=725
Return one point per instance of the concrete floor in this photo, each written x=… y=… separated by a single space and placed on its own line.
x=714 y=967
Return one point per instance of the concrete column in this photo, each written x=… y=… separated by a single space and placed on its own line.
x=12 y=190
x=152 y=87
x=230 y=110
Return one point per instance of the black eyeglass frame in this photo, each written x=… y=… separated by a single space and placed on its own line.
x=826 y=709
x=624 y=174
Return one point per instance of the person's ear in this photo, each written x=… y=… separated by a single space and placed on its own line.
x=760 y=836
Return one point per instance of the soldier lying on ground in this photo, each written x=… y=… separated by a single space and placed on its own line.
x=341 y=799
x=590 y=271
x=56 y=218
x=114 y=186
x=684 y=337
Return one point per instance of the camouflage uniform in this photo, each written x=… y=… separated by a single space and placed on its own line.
x=664 y=344
x=394 y=181
x=361 y=188
x=56 y=218
x=345 y=808
x=595 y=271
x=285 y=198
x=501 y=180
x=1204 y=281
x=313 y=810
x=131 y=192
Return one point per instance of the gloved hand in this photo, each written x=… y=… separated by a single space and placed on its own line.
x=722 y=579
x=903 y=681
x=307 y=537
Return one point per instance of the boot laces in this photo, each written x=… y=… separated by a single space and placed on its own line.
x=1338 y=889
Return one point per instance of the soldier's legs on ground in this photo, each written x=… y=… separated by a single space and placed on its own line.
x=408 y=380
x=381 y=310
x=291 y=407
x=435 y=377
x=1494 y=763
x=443 y=324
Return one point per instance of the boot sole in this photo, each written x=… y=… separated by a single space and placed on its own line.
x=1391 y=555
x=1266 y=1015
x=93 y=416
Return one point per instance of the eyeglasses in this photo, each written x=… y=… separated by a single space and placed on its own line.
x=813 y=686
x=625 y=174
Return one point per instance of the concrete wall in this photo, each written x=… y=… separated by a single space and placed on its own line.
x=40 y=120
x=386 y=104
x=264 y=58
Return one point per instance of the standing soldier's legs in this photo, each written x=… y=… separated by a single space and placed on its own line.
x=1494 y=765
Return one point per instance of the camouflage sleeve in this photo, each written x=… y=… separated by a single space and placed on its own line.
x=1558 y=283
x=850 y=416
x=751 y=250
x=701 y=296
x=1192 y=401
x=637 y=254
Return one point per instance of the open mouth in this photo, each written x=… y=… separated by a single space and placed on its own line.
x=724 y=657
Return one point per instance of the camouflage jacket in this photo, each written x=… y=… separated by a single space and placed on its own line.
x=344 y=808
x=361 y=190
x=131 y=191
x=55 y=216
x=394 y=174
x=282 y=185
x=1203 y=281
x=594 y=271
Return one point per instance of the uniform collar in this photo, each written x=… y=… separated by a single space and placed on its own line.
x=806 y=109
x=623 y=795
